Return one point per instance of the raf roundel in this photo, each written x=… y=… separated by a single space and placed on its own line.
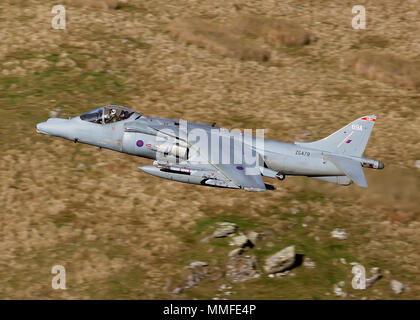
x=139 y=143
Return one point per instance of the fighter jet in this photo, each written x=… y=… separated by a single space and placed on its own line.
x=212 y=156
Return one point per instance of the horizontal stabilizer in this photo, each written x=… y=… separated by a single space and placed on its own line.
x=352 y=168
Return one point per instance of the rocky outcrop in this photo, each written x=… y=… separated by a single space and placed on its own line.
x=224 y=229
x=240 y=266
x=254 y=237
x=198 y=272
x=397 y=286
x=340 y=234
x=241 y=240
x=338 y=289
x=196 y=264
x=280 y=261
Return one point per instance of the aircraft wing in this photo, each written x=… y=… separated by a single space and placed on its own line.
x=231 y=159
x=239 y=175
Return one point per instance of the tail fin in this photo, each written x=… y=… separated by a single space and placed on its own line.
x=350 y=140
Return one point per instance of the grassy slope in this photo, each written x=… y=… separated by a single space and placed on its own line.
x=126 y=235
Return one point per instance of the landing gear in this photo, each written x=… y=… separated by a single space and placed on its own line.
x=280 y=176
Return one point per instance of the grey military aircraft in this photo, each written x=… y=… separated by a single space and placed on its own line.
x=208 y=155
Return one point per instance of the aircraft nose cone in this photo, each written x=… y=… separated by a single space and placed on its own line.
x=54 y=127
x=40 y=128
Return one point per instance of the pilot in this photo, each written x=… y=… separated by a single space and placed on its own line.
x=123 y=115
x=112 y=116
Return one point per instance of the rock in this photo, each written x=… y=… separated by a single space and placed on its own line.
x=80 y=166
x=198 y=272
x=240 y=240
x=397 y=286
x=338 y=291
x=236 y=252
x=343 y=261
x=417 y=164
x=308 y=263
x=55 y=113
x=178 y=290
x=240 y=268
x=281 y=260
x=254 y=237
x=340 y=234
x=195 y=277
x=196 y=264
x=225 y=229
x=375 y=276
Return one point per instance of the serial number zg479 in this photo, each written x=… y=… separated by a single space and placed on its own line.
x=303 y=153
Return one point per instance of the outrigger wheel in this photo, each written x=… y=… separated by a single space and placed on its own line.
x=280 y=176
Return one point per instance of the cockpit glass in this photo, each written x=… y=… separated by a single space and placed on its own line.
x=107 y=114
x=93 y=116
x=115 y=114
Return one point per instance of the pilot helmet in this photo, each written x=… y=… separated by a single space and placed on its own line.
x=113 y=112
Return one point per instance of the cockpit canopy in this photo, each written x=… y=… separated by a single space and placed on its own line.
x=108 y=114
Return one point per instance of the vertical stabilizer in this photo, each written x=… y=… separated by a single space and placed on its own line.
x=350 y=140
